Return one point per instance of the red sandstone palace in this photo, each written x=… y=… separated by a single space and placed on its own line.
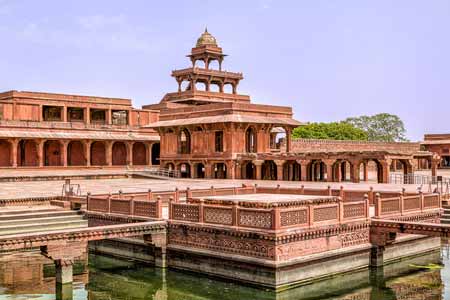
x=205 y=129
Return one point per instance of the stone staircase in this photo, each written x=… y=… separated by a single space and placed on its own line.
x=445 y=218
x=20 y=220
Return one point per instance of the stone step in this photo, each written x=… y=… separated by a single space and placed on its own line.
x=445 y=217
x=30 y=228
x=21 y=210
x=41 y=220
x=445 y=221
x=38 y=214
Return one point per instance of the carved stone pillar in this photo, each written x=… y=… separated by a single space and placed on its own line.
x=14 y=144
x=288 y=139
x=108 y=154
x=354 y=169
x=279 y=164
x=329 y=166
x=208 y=170
x=64 y=271
x=40 y=152
x=87 y=149
x=385 y=166
x=64 y=145
x=149 y=153
x=303 y=169
x=258 y=166
x=365 y=172
x=130 y=153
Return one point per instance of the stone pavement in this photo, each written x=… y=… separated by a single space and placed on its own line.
x=14 y=190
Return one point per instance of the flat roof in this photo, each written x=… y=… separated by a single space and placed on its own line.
x=265 y=199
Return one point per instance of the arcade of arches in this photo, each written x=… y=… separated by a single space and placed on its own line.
x=54 y=153
x=337 y=169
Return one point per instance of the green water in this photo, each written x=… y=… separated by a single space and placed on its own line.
x=28 y=276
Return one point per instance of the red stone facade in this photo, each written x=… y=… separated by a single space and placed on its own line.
x=439 y=144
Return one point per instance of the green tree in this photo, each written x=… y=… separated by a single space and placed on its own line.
x=332 y=131
x=380 y=127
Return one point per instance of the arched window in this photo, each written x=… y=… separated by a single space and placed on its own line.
x=250 y=140
x=184 y=142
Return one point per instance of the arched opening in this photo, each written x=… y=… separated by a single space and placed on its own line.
x=52 y=153
x=185 y=170
x=119 y=154
x=155 y=153
x=317 y=170
x=213 y=64
x=5 y=153
x=27 y=154
x=98 y=154
x=250 y=140
x=277 y=138
x=200 y=63
x=75 y=154
x=220 y=171
x=214 y=87
x=169 y=166
x=139 y=154
x=371 y=171
x=199 y=170
x=269 y=170
x=342 y=171
x=200 y=86
x=249 y=170
x=184 y=141
x=228 y=88
x=292 y=171
x=185 y=85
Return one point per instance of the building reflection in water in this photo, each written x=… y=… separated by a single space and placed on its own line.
x=30 y=275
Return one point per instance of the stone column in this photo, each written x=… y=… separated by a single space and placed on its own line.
x=366 y=172
x=108 y=117
x=208 y=170
x=14 y=144
x=354 y=169
x=385 y=166
x=159 y=243
x=279 y=164
x=303 y=169
x=130 y=153
x=64 y=145
x=88 y=115
x=258 y=166
x=64 y=114
x=288 y=139
x=63 y=271
x=87 y=146
x=329 y=165
x=108 y=148
x=40 y=152
x=149 y=153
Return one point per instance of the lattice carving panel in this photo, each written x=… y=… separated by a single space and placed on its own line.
x=218 y=215
x=256 y=219
x=388 y=206
x=185 y=212
x=145 y=209
x=411 y=203
x=98 y=205
x=120 y=207
x=294 y=217
x=431 y=201
x=357 y=210
x=325 y=213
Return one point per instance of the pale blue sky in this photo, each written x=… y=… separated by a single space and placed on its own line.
x=328 y=59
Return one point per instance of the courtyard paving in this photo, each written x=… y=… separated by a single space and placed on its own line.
x=27 y=189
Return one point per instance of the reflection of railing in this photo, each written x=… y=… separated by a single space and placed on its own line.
x=163 y=172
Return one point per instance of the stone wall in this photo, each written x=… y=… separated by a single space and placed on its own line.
x=315 y=145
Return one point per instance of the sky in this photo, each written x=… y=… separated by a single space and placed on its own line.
x=329 y=60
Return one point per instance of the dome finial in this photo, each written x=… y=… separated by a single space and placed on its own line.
x=206 y=39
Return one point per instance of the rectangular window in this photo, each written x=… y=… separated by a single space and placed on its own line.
x=98 y=116
x=219 y=141
x=119 y=117
x=52 y=113
x=75 y=114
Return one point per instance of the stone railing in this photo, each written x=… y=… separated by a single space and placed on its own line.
x=404 y=205
x=274 y=218
x=129 y=207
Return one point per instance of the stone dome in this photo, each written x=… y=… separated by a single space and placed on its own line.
x=206 y=39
